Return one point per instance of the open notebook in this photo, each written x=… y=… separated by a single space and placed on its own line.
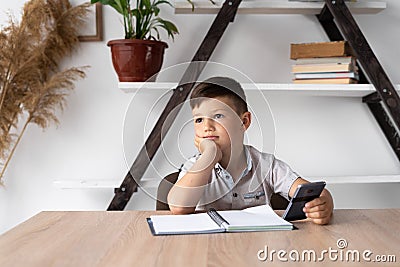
x=260 y=218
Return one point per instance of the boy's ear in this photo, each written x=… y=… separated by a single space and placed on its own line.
x=246 y=120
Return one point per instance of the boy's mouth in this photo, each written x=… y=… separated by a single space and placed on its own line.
x=212 y=137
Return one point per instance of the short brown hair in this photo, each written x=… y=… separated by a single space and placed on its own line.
x=220 y=87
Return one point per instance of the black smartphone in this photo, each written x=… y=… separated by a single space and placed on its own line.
x=304 y=193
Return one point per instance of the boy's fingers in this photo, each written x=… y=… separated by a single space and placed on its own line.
x=197 y=141
x=318 y=210
x=315 y=202
x=321 y=221
x=318 y=214
x=314 y=208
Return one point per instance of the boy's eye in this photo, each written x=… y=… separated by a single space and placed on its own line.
x=198 y=120
x=218 y=116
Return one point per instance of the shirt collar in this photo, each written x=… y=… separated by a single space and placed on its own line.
x=221 y=171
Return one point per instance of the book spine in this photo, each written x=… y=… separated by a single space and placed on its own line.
x=326 y=81
x=318 y=50
x=326 y=60
x=326 y=75
x=323 y=68
x=217 y=218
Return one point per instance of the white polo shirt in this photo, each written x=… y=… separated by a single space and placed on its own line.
x=263 y=176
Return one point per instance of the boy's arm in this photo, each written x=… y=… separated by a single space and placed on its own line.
x=318 y=210
x=187 y=192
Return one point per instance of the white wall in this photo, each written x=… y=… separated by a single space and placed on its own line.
x=316 y=136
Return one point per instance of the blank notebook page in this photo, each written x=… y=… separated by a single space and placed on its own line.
x=263 y=216
x=184 y=223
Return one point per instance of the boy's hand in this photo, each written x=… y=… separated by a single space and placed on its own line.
x=320 y=209
x=197 y=141
x=208 y=146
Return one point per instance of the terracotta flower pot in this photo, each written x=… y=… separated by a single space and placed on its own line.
x=137 y=60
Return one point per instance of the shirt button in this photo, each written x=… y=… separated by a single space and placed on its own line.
x=235 y=194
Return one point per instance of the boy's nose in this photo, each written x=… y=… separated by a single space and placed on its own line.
x=208 y=123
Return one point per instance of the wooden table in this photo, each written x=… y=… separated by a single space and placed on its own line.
x=100 y=238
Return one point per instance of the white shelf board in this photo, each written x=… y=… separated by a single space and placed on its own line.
x=133 y=87
x=275 y=7
x=336 y=90
x=153 y=183
x=357 y=179
x=99 y=184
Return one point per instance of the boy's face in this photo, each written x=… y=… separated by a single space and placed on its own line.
x=216 y=119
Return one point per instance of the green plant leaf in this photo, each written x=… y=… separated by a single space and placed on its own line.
x=164 y=2
x=158 y=34
x=168 y=26
x=119 y=5
x=142 y=21
x=156 y=11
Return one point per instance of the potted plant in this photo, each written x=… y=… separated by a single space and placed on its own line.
x=139 y=56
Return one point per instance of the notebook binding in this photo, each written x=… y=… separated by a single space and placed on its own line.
x=216 y=217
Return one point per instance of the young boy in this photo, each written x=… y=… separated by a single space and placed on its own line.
x=228 y=174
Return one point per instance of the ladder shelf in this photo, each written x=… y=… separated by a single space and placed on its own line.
x=336 y=19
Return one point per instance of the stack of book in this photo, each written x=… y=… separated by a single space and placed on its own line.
x=326 y=62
